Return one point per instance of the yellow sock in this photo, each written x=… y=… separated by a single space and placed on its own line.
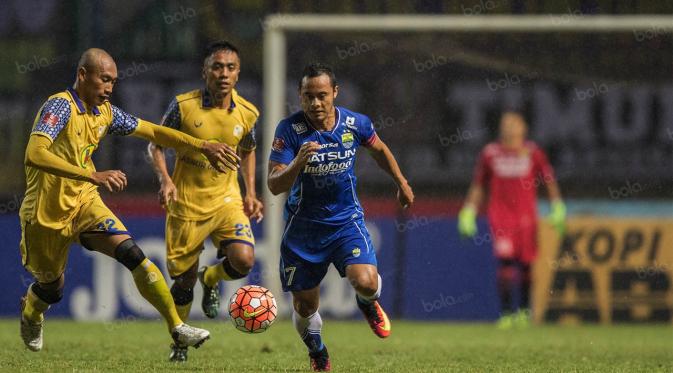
x=152 y=286
x=183 y=310
x=34 y=307
x=215 y=273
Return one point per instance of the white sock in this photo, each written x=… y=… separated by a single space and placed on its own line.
x=373 y=297
x=309 y=330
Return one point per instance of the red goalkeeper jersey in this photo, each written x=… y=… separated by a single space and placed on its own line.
x=512 y=177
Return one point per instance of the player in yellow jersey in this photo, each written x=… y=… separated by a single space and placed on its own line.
x=62 y=204
x=200 y=202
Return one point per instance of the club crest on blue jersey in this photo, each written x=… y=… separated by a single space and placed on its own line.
x=347 y=139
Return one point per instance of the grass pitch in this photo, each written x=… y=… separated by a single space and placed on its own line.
x=135 y=346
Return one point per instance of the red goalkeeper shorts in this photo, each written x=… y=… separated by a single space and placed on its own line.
x=515 y=242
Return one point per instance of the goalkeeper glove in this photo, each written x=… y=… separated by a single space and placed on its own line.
x=557 y=216
x=467 y=222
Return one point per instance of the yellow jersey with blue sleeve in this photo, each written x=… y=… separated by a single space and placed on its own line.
x=202 y=191
x=74 y=131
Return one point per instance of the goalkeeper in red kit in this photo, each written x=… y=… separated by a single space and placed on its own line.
x=511 y=169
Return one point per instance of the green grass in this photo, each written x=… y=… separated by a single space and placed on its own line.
x=439 y=347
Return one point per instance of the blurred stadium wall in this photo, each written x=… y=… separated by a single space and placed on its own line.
x=599 y=104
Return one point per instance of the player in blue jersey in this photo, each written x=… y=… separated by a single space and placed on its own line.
x=312 y=157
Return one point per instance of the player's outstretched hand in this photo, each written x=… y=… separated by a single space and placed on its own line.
x=307 y=150
x=112 y=180
x=467 y=222
x=405 y=195
x=253 y=208
x=557 y=216
x=221 y=156
x=168 y=192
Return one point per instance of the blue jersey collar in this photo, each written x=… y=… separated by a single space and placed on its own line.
x=207 y=100
x=80 y=105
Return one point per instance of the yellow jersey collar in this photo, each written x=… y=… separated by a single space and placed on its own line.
x=80 y=105
x=207 y=101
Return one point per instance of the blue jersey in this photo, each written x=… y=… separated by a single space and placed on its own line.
x=324 y=191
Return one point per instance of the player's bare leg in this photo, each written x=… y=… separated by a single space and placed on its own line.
x=308 y=323
x=34 y=304
x=367 y=284
x=182 y=291
x=150 y=283
x=238 y=259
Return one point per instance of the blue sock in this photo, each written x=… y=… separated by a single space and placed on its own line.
x=313 y=340
x=309 y=330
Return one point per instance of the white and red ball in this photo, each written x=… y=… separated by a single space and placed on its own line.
x=252 y=309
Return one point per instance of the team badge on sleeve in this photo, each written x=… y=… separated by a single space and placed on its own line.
x=278 y=145
x=50 y=119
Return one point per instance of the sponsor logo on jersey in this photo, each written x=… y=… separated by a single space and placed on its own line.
x=330 y=163
x=198 y=124
x=85 y=155
x=329 y=145
x=299 y=127
x=512 y=166
x=347 y=139
x=328 y=168
x=333 y=156
x=278 y=145
x=356 y=252
x=350 y=122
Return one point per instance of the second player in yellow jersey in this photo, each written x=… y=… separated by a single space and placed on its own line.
x=201 y=203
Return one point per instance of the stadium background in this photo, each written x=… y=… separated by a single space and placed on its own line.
x=599 y=104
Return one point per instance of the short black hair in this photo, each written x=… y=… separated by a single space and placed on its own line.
x=316 y=69
x=218 y=46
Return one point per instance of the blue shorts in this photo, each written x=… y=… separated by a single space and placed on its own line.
x=308 y=249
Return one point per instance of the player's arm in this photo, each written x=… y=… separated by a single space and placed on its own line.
x=39 y=156
x=282 y=176
x=167 y=191
x=557 y=216
x=220 y=155
x=252 y=206
x=467 y=217
x=475 y=195
x=387 y=162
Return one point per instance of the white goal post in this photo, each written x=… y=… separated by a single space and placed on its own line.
x=276 y=27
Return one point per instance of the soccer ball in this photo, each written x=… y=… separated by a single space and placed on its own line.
x=252 y=309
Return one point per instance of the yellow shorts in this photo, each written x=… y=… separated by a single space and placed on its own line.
x=44 y=251
x=184 y=238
